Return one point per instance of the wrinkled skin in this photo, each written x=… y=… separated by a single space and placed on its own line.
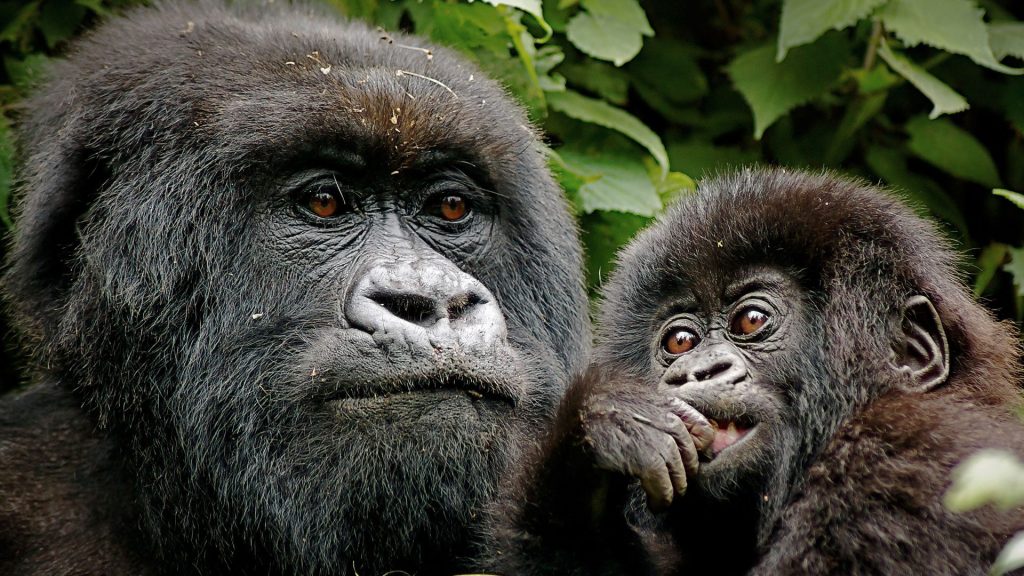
x=312 y=303
x=830 y=368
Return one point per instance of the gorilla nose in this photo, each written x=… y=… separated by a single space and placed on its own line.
x=428 y=299
x=713 y=366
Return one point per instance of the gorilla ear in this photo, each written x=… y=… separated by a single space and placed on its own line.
x=924 y=351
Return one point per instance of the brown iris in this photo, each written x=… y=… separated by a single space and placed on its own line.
x=453 y=208
x=323 y=204
x=749 y=321
x=679 y=341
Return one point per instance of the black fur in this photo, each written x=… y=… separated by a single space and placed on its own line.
x=849 y=476
x=205 y=402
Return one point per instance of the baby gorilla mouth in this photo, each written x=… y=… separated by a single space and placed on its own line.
x=728 y=433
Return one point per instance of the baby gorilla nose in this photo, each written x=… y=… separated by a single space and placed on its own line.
x=717 y=365
x=425 y=299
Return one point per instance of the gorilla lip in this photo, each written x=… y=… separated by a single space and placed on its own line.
x=474 y=388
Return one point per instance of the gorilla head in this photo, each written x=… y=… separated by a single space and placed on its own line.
x=793 y=310
x=318 y=285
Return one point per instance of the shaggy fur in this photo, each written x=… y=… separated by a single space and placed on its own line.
x=188 y=324
x=859 y=464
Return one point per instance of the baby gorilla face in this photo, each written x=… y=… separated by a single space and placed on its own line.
x=729 y=352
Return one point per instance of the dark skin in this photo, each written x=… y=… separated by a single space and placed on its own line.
x=294 y=299
x=813 y=339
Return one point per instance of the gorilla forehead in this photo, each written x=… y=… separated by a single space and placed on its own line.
x=248 y=87
x=819 y=226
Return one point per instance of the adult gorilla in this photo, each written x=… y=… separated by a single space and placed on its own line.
x=315 y=287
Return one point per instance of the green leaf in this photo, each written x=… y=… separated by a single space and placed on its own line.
x=1016 y=268
x=1016 y=197
x=531 y=7
x=989 y=262
x=774 y=88
x=578 y=106
x=944 y=99
x=956 y=26
x=1006 y=39
x=1011 y=557
x=803 y=21
x=6 y=170
x=988 y=477
x=611 y=30
x=612 y=182
x=604 y=38
x=627 y=11
x=952 y=149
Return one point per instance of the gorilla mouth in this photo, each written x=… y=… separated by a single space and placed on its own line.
x=729 y=432
x=475 y=389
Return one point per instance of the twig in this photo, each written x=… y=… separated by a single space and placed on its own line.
x=428 y=79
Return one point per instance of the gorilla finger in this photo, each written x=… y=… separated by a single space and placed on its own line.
x=658 y=486
x=700 y=429
x=678 y=469
x=688 y=454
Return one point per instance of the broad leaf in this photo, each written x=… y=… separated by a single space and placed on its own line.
x=944 y=99
x=578 y=106
x=612 y=182
x=604 y=38
x=611 y=30
x=953 y=149
x=774 y=88
x=988 y=477
x=628 y=12
x=956 y=26
x=1006 y=39
x=803 y=21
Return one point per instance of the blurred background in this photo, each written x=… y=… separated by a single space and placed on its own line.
x=639 y=100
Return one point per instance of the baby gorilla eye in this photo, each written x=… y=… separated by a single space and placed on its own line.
x=679 y=340
x=750 y=320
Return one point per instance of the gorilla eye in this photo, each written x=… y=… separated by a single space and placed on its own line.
x=323 y=203
x=679 y=340
x=748 y=321
x=453 y=207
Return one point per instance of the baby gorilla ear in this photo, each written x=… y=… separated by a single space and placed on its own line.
x=924 y=351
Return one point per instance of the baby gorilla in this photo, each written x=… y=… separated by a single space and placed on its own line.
x=790 y=364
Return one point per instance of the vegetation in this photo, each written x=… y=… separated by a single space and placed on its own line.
x=926 y=96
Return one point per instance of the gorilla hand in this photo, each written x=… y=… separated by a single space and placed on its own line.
x=653 y=438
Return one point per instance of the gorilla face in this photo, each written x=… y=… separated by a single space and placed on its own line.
x=321 y=286
x=737 y=350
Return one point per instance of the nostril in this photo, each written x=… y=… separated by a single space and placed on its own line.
x=703 y=373
x=460 y=304
x=414 y=308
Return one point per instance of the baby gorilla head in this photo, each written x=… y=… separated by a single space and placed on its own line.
x=783 y=301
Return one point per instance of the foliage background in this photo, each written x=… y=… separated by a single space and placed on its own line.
x=639 y=99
